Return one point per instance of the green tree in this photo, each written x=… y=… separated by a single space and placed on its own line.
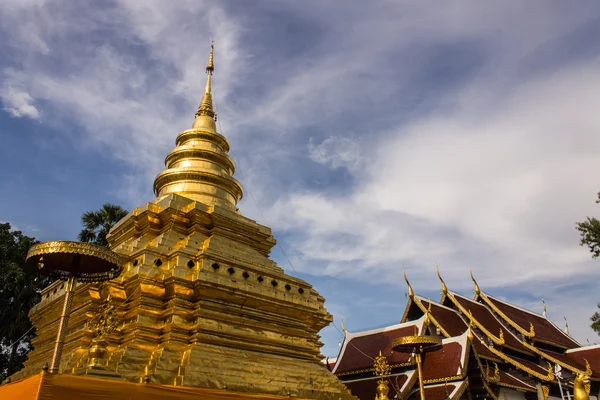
x=97 y=224
x=590 y=237
x=20 y=289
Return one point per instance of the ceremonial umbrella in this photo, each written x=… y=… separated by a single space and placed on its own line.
x=72 y=262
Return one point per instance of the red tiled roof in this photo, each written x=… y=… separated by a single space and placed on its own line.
x=447 y=318
x=567 y=360
x=545 y=330
x=358 y=353
x=510 y=380
x=365 y=389
x=483 y=351
x=534 y=366
x=485 y=317
x=589 y=353
x=442 y=363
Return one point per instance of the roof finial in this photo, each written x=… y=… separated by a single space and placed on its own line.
x=566 y=326
x=444 y=287
x=544 y=306
x=344 y=328
x=206 y=105
x=411 y=293
x=477 y=289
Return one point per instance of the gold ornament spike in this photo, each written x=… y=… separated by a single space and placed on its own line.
x=206 y=104
x=470 y=335
x=382 y=367
x=566 y=326
x=531 y=330
x=588 y=368
x=477 y=289
x=411 y=293
x=344 y=328
x=501 y=337
x=444 y=287
x=210 y=66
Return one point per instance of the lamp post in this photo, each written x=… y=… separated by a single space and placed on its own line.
x=72 y=262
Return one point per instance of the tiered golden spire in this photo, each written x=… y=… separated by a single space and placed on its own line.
x=199 y=167
x=206 y=105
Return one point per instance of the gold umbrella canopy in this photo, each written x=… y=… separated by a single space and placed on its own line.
x=86 y=262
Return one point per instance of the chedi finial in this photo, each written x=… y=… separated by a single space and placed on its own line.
x=206 y=104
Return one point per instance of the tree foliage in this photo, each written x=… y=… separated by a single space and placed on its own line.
x=97 y=224
x=590 y=237
x=20 y=289
x=590 y=233
x=596 y=321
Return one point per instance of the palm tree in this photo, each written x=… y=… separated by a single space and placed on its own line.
x=97 y=224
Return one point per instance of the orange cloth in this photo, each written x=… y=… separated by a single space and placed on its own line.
x=23 y=389
x=66 y=387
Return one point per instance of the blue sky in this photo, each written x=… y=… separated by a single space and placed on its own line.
x=400 y=133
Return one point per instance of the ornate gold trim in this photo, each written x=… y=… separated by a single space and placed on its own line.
x=489 y=389
x=419 y=304
x=420 y=340
x=360 y=371
x=65 y=246
x=461 y=389
x=546 y=378
x=548 y=357
x=517 y=327
x=498 y=341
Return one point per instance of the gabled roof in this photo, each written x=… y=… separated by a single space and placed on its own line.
x=591 y=354
x=447 y=363
x=510 y=381
x=360 y=349
x=487 y=322
x=522 y=320
x=445 y=318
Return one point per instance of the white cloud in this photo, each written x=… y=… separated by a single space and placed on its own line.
x=18 y=103
x=337 y=151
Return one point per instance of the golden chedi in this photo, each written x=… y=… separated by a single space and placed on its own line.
x=199 y=302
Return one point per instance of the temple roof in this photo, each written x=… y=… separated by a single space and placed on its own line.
x=487 y=322
x=447 y=319
x=507 y=380
x=447 y=363
x=360 y=349
x=522 y=320
x=591 y=354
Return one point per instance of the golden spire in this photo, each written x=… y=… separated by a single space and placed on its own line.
x=199 y=167
x=566 y=326
x=206 y=105
x=444 y=287
x=411 y=293
x=477 y=289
